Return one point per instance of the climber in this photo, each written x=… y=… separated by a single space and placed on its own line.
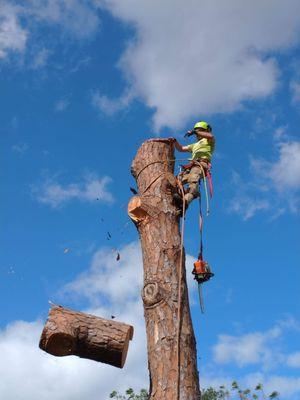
x=202 y=151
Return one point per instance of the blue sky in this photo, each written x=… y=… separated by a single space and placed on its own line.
x=83 y=84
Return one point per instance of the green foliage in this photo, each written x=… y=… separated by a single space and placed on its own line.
x=130 y=395
x=237 y=393
x=222 y=393
x=215 y=394
x=274 y=395
x=209 y=394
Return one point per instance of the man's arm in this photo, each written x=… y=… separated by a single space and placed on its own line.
x=207 y=135
x=179 y=147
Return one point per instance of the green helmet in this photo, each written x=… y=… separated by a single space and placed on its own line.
x=201 y=124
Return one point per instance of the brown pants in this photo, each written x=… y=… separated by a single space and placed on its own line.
x=191 y=177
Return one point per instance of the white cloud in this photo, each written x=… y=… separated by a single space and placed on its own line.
x=274 y=185
x=293 y=360
x=200 y=57
x=111 y=106
x=247 y=200
x=12 y=36
x=119 y=281
x=61 y=105
x=284 y=173
x=251 y=348
x=81 y=63
x=20 y=148
x=40 y=58
x=247 y=206
x=90 y=189
x=77 y=17
x=281 y=133
x=258 y=348
x=287 y=386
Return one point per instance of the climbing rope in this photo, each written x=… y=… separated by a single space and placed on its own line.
x=205 y=188
x=168 y=161
x=179 y=290
x=200 y=228
x=151 y=183
x=156 y=178
x=147 y=165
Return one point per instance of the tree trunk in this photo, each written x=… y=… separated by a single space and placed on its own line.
x=68 y=332
x=157 y=221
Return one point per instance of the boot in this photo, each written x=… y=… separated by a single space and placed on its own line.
x=178 y=203
x=177 y=200
x=188 y=199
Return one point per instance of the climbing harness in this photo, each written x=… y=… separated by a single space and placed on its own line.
x=206 y=174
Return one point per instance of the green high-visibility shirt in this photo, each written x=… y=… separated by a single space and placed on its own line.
x=204 y=148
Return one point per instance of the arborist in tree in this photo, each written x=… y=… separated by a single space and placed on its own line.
x=200 y=164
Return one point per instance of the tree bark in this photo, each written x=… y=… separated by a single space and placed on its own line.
x=157 y=221
x=68 y=332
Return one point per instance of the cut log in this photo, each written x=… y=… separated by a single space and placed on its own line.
x=69 y=332
x=173 y=373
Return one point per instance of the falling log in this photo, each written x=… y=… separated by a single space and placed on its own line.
x=69 y=332
x=172 y=363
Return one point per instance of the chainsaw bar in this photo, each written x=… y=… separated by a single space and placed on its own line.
x=201 y=301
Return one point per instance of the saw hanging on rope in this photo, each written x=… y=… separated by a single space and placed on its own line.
x=202 y=272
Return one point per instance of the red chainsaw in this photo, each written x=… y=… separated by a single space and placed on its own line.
x=202 y=273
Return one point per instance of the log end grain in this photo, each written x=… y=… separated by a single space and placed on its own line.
x=60 y=344
x=125 y=348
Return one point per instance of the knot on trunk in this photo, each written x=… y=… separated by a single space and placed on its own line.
x=153 y=294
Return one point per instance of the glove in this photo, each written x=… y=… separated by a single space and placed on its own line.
x=189 y=133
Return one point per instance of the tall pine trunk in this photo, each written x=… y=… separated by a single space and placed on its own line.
x=157 y=221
